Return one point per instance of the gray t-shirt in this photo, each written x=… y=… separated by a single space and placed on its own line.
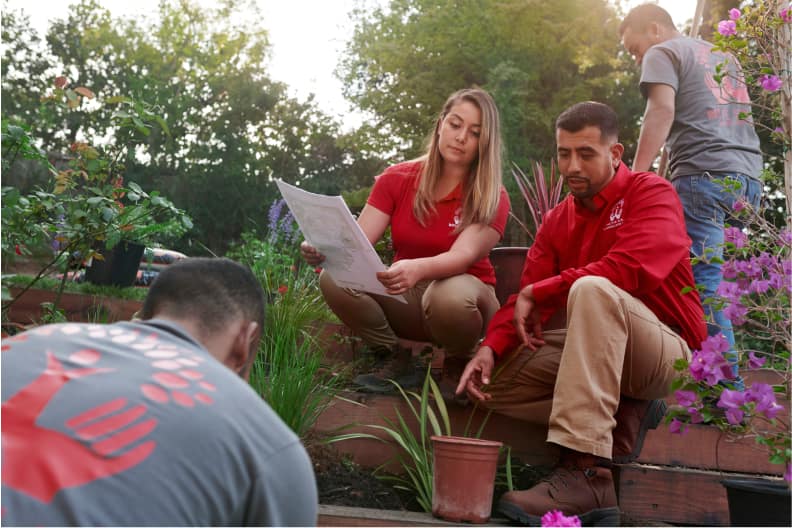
x=137 y=424
x=707 y=133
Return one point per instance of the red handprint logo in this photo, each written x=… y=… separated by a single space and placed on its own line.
x=58 y=460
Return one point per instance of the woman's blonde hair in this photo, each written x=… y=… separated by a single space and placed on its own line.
x=481 y=189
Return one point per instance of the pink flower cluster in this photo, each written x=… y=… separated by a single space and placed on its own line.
x=755 y=275
x=771 y=83
x=727 y=27
x=709 y=364
x=786 y=15
x=557 y=518
x=760 y=396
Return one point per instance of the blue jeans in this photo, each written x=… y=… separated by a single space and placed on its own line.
x=707 y=201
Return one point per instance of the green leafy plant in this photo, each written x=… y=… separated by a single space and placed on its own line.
x=541 y=193
x=289 y=371
x=415 y=456
x=87 y=208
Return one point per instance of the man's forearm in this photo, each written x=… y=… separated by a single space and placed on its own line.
x=654 y=131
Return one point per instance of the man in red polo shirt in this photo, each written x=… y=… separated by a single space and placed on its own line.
x=593 y=334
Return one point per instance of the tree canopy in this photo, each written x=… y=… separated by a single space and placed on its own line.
x=232 y=128
x=535 y=57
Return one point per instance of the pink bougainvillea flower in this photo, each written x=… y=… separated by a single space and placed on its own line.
x=755 y=362
x=734 y=14
x=735 y=312
x=557 y=518
x=732 y=401
x=785 y=237
x=735 y=235
x=788 y=473
x=771 y=83
x=765 y=399
x=685 y=398
x=738 y=206
x=759 y=286
x=786 y=15
x=677 y=427
x=709 y=364
x=695 y=415
x=727 y=27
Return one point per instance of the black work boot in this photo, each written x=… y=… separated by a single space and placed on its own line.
x=398 y=366
x=580 y=485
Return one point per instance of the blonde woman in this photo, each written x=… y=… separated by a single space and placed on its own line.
x=447 y=210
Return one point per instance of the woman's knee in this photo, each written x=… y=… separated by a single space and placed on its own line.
x=453 y=295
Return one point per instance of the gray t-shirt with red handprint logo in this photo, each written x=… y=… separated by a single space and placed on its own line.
x=708 y=133
x=136 y=424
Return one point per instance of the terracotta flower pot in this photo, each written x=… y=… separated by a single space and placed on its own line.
x=464 y=478
x=508 y=263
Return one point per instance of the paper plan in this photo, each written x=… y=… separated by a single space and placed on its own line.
x=328 y=225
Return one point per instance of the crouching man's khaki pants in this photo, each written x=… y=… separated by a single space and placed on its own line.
x=613 y=345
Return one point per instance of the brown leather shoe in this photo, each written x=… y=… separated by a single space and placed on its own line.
x=633 y=419
x=587 y=492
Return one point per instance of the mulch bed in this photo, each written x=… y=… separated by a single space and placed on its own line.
x=342 y=482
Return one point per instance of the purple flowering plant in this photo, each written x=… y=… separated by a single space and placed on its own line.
x=274 y=254
x=757 y=36
x=557 y=518
x=755 y=295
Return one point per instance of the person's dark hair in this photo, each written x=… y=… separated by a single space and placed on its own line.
x=590 y=113
x=212 y=291
x=639 y=18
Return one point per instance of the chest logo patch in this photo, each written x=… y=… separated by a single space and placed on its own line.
x=615 y=219
x=457 y=218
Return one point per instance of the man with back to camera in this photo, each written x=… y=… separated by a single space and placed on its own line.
x=151 y=422
x=699 y=121
x=588 y=344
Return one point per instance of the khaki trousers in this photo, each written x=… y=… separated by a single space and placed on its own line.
x=613 y=345
x=452 y=312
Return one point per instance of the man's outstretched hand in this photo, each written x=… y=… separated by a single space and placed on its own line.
x=527 y=319
x=477 y=374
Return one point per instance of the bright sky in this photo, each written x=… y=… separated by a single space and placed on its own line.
x=307 y=37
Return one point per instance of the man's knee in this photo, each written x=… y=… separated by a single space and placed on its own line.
x=596 y=293
x=591 y=284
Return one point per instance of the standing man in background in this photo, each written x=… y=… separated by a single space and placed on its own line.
x=712 y=151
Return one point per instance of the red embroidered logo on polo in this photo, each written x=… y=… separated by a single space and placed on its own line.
x=615 y=219
x=457 y=218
